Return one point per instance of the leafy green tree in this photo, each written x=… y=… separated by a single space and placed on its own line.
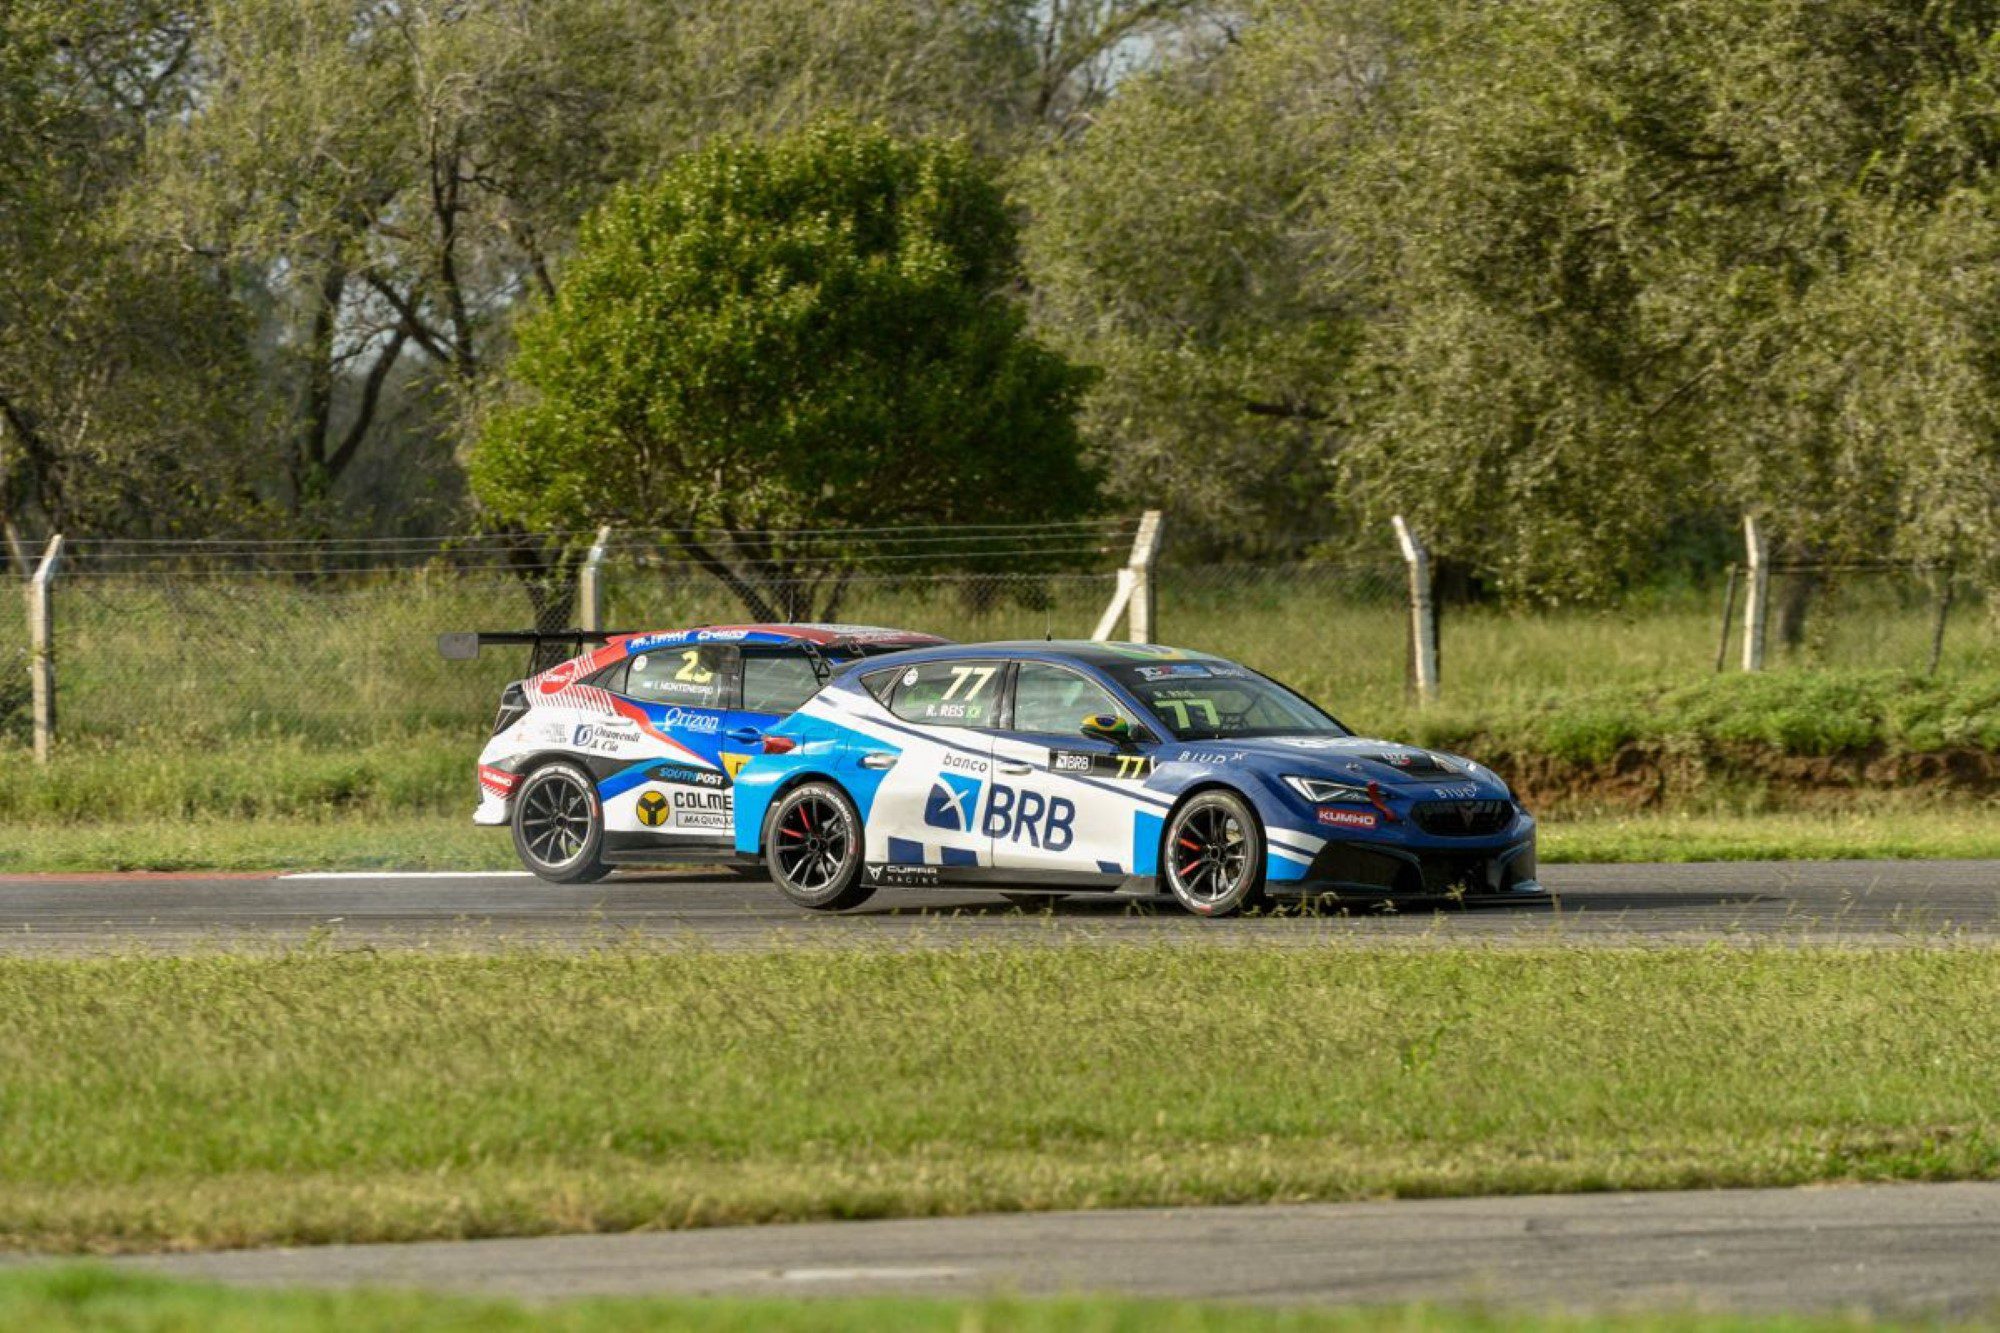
x=1640 y=259
x=811 y=332
x=121 y=367
x=1182 y=246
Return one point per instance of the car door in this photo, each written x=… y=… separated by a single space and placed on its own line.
x=935 y=766
x=1061 y=800
x=772 y=684
x=685 y=694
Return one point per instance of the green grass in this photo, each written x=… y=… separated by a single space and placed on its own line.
x=320 y=1096
x=90 y=1300
x=1892 y=830
x=94 y=1300
x=204 y=658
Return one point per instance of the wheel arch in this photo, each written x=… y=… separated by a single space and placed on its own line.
x=791 y=783
x=1197 y=788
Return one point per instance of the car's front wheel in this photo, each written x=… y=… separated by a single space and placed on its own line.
x=559 y=825
x=1212 y=857
x=814 y=848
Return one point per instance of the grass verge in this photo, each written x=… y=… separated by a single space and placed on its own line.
x=313 y=1096
x=93 y=1300
x=450 y=842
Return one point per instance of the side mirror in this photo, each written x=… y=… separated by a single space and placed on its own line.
x=1108 y=727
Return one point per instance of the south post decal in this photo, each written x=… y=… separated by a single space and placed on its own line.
x=953 y=802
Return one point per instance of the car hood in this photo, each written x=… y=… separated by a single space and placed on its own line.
x=1355 y=759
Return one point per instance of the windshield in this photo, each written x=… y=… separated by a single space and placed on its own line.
x=1212 y=700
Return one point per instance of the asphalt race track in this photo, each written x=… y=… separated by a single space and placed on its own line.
x=1891 y=1249
x=1873 y=902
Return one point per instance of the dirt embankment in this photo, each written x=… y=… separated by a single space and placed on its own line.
x=1644 y=776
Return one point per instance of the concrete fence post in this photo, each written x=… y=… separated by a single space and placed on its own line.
x=590 y=584
x=42 y=647
x=1145 y=546
x=1423 y=613
x=1756 y=591
x=1135 y=591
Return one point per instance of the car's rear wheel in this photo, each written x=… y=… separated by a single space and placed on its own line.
x=1212 y=856
x=559 y=825
x=814 y=848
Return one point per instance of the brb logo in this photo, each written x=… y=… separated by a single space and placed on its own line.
x=952 y=803
x=1047 y=822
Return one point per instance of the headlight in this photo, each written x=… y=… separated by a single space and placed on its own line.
x=1321 y=792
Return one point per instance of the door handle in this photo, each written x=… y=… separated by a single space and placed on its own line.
x=743 y=735
x=878 y=759
x=1016 y=770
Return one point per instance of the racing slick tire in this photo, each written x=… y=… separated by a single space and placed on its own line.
x=559 y=825
x=813 y=845
x=1212 y=855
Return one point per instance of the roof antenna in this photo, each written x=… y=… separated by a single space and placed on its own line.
x=1049 y=621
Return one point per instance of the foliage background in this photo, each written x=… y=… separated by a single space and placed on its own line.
x=1574 y=284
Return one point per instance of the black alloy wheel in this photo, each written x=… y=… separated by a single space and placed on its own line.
x=1212 y=857
x=814 y=848
x=559 y=825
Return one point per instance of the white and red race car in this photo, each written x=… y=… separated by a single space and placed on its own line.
x=627 y=754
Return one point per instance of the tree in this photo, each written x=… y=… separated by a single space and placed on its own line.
x=121 y=365
x=1182 y=246
x=814 y=331
x=1637 y=262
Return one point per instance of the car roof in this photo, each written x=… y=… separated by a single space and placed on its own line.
x=1087 y=651
x=827 y=637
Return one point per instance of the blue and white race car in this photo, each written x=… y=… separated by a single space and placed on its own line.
x=1111 y=767
x=628 y=753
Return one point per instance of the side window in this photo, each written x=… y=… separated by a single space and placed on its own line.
x=777 y=682
x=949 y=694
x=1054 y=701
x=693 y=677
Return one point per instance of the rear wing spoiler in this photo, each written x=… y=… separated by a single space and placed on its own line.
x=463 y=647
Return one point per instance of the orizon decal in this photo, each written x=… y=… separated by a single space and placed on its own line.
x=1044 y=822
x=681 y=719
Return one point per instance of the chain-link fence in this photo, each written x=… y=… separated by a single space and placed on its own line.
x=329 y=642
x=15 y=686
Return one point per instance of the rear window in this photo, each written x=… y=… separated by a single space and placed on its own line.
x=691 y=677
x=948 y=694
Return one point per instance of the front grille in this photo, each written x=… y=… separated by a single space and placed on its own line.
x=1463 y=819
